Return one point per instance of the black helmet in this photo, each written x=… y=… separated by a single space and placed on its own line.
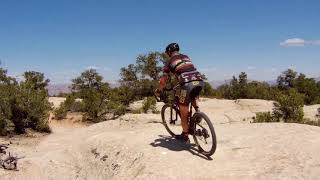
x=172 y=47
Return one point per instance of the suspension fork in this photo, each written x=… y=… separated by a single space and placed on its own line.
x=173 y=121
x=190 y=116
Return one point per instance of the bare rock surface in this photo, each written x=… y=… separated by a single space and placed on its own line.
x=136 y=146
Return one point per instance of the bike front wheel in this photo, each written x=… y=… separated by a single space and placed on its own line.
x=204 y=134
x=171 y=119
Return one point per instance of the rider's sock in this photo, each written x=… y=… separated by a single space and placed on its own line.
x=184 y=137
x=185 y=133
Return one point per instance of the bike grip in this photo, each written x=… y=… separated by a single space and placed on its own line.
x=167 y=89
x=158 y=100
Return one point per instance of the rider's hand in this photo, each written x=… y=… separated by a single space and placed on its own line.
x=158 y=92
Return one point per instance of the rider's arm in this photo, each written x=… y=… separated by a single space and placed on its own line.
x=163 y=81
x=164 y=77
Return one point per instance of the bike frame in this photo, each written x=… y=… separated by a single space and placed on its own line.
x=176 y=105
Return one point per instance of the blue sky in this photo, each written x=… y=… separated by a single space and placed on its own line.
x=64 y=37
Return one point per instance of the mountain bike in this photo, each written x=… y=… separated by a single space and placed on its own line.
x=200 y=125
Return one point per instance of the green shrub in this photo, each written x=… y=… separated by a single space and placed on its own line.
x=263 y=117
x=3 y=127
x=139 y=80
x=120 y=110
x=124 y=94
x=317 y=122
x=208 y=91
x=241 y=88
x=318 y=114
x=31 y=106
x=287 y=79
x=136 y=111
x=69 y=105
x=61 y=94
x=116 y=108
x=149 y=103
x=73 y=104
x=98 y=99
x=312 y=123
x=60 y=112
x=289 y=107
x=24 y=104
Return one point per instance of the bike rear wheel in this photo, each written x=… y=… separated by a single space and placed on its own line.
x=171 y=119
x=204 y=134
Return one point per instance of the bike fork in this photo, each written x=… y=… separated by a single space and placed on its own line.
x=171 y=116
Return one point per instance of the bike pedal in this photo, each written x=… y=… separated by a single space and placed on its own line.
x=173 y=122
x=191 y=131
x=205 y=133
x=198 y=132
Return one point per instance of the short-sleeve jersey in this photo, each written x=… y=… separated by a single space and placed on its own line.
x=179 y=64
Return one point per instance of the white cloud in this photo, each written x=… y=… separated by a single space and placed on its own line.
x=298 y=42
x=251 y=68
x=293 y=42
x=93 y=67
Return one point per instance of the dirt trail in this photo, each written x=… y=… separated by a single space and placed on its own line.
x=136 y=146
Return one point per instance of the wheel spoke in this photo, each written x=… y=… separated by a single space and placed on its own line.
x=205 y=135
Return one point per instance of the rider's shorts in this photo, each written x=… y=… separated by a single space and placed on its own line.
x=189 y=91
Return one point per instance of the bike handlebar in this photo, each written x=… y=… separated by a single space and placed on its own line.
x=167 y=89
x=161 y=99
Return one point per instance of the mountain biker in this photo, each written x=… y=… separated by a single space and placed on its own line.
x=190 y=80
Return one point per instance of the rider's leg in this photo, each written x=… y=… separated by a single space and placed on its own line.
x=195 y=102
x=184 y=113
x=194 y=96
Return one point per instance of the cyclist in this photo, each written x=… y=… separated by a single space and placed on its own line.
x=190 y=80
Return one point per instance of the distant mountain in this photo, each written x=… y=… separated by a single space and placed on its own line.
x=272 y=82
x=218 y=83
x=114 y=84
x=55 y=89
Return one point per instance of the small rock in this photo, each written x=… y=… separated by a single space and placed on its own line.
x=94 y=152
x=104 y=158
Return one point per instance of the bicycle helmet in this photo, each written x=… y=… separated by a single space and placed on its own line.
x=172 y=48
